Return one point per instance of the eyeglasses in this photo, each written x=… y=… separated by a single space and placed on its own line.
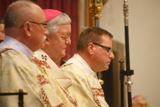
x=44 y=24
x=108 y=49
x=64 y=37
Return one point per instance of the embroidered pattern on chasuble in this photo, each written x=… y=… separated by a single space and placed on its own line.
x=97 y=92
x=88 y=82
x=40 y=62
x=43 y=65
x=43 y=81
x=20 y=70
x=70 y=98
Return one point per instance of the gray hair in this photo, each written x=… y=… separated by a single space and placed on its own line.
x=138 y=97
x=52 y=25
x=18 y=12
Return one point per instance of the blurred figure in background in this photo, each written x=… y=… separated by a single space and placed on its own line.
x=2 y=35
x=139 y=101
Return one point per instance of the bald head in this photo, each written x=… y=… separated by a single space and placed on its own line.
x=25 y=21
x=16 y=16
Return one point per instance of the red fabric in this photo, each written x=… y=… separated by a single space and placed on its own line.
x=3 y=6
x=136 y=96
x=51 y=13
x=68 y=6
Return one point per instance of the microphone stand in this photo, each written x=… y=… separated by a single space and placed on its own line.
x=128 y=72
x=20 y=96
x=95 y=9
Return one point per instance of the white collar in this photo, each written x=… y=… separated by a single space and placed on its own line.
x=78 y=60
x=10 y=42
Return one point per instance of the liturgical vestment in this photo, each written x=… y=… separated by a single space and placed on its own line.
x=61 y=83
x=88 y=91
x=18 y=72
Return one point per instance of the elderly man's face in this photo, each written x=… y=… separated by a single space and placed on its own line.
x=2 y=35
x=59 y=42
x=37 y=29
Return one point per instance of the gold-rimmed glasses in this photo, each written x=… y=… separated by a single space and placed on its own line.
x=64 y=37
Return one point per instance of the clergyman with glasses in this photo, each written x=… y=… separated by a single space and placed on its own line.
x=47 y=58
x=25 y=30
x=94 y=54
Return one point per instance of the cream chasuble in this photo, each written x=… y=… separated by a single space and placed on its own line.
x=18 y=72
x=59 y=81
x=87 y=89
